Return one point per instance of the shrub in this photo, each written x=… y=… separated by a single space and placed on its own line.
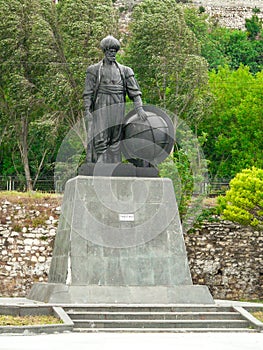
x=243 y=202
x=201 y=9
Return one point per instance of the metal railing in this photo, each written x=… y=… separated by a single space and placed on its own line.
x=47 y=184
x=14 y=183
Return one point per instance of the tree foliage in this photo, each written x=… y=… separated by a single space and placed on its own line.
x=224 y=46
x=253 y=26
x=25 y=40
x=44 y=49
x=209 y=36
x=165 y=54
x=234 y=127
x=243 y=203
x=239 y=49
x=78 y=31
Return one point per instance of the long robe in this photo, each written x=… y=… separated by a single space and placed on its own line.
x=106 y=87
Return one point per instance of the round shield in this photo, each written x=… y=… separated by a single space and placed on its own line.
x=150 y=140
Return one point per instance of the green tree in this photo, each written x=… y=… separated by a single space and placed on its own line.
x=243 y=202
x=44 y=52
x=240 y=50
x=25 y=36
x=253 y=26
x=234 y=125
x=78 y=31
x=221 y=46
x=165 y=54
x=209 y=35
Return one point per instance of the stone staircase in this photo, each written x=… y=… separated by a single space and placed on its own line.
x=157 y=318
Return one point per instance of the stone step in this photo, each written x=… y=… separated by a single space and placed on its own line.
x=147 y=308
x=157 y=318
x=161 y=323
x=166 y=330
x=92 y=315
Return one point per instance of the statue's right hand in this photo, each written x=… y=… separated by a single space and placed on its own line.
x=88 y=115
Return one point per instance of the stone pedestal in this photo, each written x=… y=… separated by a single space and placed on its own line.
x=119 y=240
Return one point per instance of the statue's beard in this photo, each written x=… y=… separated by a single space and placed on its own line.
x=110 y=57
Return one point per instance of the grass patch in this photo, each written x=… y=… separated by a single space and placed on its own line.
x=39 y=221
x=17 y=228
x=32 y=194
x=30 y=199
x=259 y=301
x=8 y=320
x=258 y=315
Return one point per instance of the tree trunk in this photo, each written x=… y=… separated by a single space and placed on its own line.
x=23 y=147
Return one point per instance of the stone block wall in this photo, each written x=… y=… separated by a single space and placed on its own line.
x=27 y=233
x=226 y=257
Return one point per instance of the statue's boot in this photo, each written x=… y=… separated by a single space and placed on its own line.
x=116 y=158
x=103 y=158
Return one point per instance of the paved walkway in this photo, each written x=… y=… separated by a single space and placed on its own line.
x=101 y=341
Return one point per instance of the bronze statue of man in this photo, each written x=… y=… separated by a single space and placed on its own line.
x=106 y=86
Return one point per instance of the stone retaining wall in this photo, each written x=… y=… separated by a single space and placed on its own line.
x=229 y=13
x=226 y=257
x=27 y=233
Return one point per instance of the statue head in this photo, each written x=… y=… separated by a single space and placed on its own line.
x=110 y=47
x=110 y=43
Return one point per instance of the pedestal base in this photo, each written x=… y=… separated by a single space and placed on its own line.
x=120 y=240
x=64 y=294
x=116 y=170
